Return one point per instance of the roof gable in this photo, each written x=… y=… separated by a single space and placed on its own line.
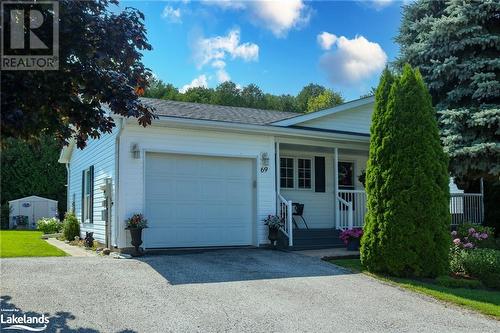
x=349 y=106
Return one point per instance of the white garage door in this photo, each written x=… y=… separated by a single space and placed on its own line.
x=198 y=201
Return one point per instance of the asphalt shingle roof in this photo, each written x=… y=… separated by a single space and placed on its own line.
x=166 y=108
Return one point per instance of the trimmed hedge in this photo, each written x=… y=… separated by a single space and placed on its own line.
x=408 y=217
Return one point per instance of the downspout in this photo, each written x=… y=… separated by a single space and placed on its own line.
x=115 y=198
x=68 y=196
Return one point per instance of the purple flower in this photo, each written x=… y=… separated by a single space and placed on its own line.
x=475 y=235
x=483 y=235
x=456 y=241
x=468 y=245
x=472 y=230
x=453 y=233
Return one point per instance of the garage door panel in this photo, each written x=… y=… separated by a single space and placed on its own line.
x=198 y=201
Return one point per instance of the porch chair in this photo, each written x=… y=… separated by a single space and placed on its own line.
x=298 y=210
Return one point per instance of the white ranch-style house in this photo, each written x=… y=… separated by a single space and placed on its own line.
x=207 y=175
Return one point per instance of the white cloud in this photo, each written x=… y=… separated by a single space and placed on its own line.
x=379 y=4
x=221 y=73
x=326 y=40
x=171 y=15
x=208 y=50
x=200 y=81
x=279 y=16
x=352 y=60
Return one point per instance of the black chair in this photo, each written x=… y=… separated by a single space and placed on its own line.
x=298 y=210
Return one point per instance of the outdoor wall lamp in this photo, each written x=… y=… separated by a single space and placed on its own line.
x=134 y=149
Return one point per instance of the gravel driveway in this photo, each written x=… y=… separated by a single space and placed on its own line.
x=220 y=291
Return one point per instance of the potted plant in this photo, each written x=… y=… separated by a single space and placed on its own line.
x=362 y=178
x=274 y=223
x=135 y=224
x=351 y=238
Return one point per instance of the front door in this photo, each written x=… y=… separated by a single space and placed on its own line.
x=346 y=175
x=346 y=181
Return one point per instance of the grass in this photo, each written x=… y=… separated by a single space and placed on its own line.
x=14 y=243
x=484 y=301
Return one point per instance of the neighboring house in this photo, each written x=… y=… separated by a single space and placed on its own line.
x=207 y=175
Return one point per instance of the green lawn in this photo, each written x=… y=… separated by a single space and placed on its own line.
x=482 y=300
x=14 y=243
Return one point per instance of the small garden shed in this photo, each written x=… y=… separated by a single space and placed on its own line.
x=24 y=212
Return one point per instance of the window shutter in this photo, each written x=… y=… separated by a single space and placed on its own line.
x=91 y=206
x=83 y=198
x=319 y=174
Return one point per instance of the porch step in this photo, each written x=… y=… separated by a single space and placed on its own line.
x=316 y=239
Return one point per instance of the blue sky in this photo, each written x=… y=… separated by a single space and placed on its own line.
x=278 y=45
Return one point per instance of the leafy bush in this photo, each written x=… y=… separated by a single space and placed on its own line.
x=407 y=183
x=71 y=226
x=49 y=225
x=450 y=282
x=483 y=264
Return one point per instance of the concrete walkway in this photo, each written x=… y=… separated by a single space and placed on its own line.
x=74 y=251
x=239 y=291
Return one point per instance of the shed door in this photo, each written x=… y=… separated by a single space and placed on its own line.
x=194 y=201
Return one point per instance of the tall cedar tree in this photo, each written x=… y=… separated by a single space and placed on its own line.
x=407 y=183
x=374 y=172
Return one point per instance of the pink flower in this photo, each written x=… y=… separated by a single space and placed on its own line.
x=456 y=241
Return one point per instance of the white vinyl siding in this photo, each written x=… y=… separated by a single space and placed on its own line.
x=101 y=154
x=356 y=120
x=156 y=139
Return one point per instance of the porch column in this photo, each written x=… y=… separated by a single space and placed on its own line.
x=277 y=173
x=336 y=185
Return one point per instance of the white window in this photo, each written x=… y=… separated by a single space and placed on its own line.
x=87 y=209
x=304 y=173
x=286 y=172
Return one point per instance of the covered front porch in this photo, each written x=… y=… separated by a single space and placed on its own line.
x=320 y=191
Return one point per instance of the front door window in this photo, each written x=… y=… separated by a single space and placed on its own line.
x=346 y=175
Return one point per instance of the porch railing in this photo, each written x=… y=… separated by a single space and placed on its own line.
x=285 y=212
x=345 y=214
x=353 y=214
x=464 y=208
